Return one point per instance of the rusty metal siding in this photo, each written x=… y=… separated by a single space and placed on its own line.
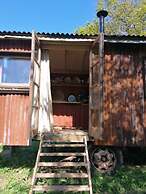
x=14 y=104
x=123 y=115
x=15 y=45
x=70 y=115
x=145 y=114
x=2 y=106
x=124 y=102
x=14 y=129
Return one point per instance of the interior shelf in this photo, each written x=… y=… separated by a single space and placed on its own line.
x=66 y=102
x=69 y=85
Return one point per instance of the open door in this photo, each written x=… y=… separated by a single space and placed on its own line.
x=35 y=83
x=95 y=99
x=96 y=90
x=45 y=112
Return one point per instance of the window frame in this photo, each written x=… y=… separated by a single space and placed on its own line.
x=16 y=85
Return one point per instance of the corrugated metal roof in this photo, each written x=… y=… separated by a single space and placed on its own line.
x=65 y=35
x=57 y=36
x=48 y=35
x=125 y=37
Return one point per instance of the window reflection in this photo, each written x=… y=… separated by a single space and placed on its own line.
x=14 y=70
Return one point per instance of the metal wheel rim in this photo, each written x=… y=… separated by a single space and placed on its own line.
x=104 y=160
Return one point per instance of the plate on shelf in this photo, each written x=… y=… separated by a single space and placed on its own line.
x=72 y=98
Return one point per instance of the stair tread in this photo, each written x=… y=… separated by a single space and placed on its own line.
x=63 y=137
x=61 y=175
x=65 y=158
x=63 y=140
x=61 y=164
x=65 y=132
x=65 y=188
x=62 y=145
x=63 y=154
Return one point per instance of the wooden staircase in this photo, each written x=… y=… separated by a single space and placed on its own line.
x=62 y=164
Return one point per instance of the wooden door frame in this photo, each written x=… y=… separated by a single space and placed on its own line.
x=34 y=61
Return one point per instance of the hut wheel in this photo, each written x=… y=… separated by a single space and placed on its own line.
x=104 y=160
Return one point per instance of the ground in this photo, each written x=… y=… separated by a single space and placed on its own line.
x=16 y=172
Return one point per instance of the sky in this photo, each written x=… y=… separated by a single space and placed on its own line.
x=46 y=15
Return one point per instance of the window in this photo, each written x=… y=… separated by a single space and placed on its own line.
x=14 y=70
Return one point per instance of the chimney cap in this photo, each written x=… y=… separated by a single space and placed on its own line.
x=102 y=12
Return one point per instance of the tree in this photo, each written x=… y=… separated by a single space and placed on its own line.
x=90 y=28
x=126 y=17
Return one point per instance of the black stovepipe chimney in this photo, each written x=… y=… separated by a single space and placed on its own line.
x=101 y=15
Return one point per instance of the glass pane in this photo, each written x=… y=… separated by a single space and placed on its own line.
x=15 y=70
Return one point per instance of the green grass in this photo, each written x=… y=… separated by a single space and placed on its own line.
x=127 y=180
x=16 y=172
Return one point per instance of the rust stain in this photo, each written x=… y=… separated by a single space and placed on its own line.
x=15 y=45
x=145 y=114
x=68 y=115
x=14 y=117
x=123 y=112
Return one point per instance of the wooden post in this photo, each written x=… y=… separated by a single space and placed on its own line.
x=101 y=14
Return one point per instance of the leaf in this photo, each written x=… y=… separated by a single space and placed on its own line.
x=126 y=17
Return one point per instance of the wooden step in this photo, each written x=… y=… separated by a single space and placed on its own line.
x=74 y=132
x=64 y=138
x=62 y=145
x=61 y=175
x=61 y=164
x=62 y=154
x=65 y=160
x=59 y=142
x=65 y=188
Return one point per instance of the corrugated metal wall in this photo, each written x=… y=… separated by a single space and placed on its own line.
x=71 y=115
x=123 y=101
x=14 y=115
x=145 y=114
x=15 y=45
x=14 y=107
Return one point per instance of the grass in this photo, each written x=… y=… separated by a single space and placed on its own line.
x=15 y=174
x=127 y=180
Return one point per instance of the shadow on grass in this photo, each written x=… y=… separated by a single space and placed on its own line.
x=134 y=156
x=21 y=157
x=129 y=179
x=26 y=156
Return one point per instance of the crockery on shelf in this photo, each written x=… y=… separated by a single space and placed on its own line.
x=76 y=80
x=67 y=79
x=72 y=98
